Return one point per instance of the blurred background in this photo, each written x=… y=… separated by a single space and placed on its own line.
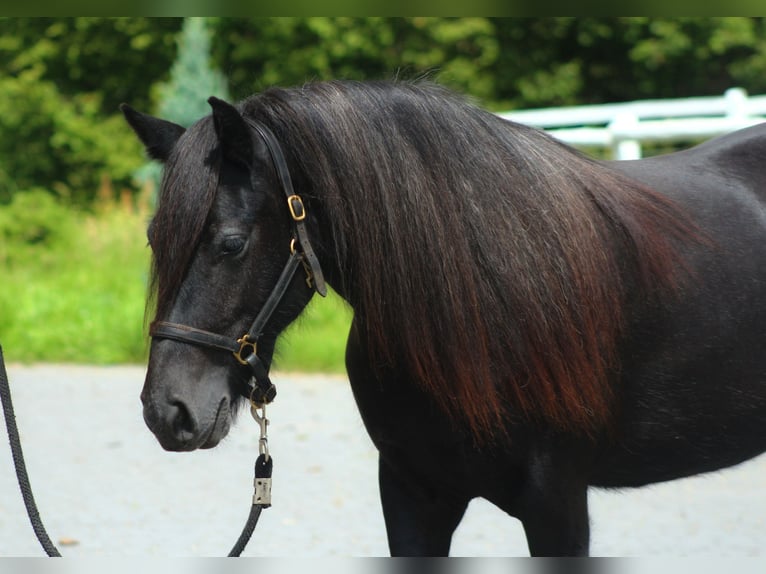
x=76 y=191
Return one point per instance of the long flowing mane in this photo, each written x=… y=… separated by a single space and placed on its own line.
x=484 y=257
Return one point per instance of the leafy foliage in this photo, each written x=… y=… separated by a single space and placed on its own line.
x=260 y=52
x=74 y=285
x=73 y=282
x=60 y=83
x=63 y=143
x=61 y=79
x=118 y=58
x=34 y=226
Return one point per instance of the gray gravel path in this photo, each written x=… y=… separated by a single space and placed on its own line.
x=105 y=486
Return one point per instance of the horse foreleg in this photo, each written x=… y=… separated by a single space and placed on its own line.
x=555 y=515
x=419 y=522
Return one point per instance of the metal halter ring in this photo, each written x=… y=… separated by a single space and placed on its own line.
x=244 y=343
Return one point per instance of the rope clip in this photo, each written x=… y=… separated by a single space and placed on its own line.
x=263 y=423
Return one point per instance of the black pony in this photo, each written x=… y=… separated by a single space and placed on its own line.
x=528 y=322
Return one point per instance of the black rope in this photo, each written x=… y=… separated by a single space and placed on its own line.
x=18 y=462
x=263 y=469
x=244 y=538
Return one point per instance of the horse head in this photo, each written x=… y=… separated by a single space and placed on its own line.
x=221 y=238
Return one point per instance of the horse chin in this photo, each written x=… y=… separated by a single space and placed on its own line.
x=219 y=428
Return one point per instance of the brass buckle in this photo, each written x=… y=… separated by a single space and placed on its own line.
x=245 y=342
x=296 y=216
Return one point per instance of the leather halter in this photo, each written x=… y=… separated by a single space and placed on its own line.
x=245 y=348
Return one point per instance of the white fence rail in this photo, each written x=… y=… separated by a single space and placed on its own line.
x=624 y=126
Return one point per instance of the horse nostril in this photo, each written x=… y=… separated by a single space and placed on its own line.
x=182 y=424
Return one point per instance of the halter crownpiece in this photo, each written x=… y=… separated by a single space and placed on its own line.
x=296 y=207
x=245 y=348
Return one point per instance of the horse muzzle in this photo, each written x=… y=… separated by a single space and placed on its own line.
x=180 y=425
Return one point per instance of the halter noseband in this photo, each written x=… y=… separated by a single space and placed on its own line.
x=245 y=349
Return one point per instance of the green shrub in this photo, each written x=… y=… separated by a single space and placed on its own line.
x=60 y=143
x=74 y=285
x=34 y=228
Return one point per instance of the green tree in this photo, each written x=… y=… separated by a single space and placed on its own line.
x=260 y=52
x=563 y=61
x=63 y=144
x=117 y=58
x=61 y=80
x=193 y=79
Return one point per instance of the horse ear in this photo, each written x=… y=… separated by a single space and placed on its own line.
x=233 y=133
x=158 y=136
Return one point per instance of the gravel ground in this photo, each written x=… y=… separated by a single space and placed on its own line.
x=105 y=487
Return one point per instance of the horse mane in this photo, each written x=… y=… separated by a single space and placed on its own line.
x=490 y=261
x=187 y=192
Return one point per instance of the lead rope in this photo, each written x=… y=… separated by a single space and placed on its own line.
x=262 y=481
x=18 y=461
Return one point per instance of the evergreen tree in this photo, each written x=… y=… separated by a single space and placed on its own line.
x=183 y=99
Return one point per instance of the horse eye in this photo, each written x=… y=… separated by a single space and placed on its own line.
x=232 y=245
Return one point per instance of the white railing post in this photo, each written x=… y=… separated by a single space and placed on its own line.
x=623 y=126
x=624 y=147
x=736 y=103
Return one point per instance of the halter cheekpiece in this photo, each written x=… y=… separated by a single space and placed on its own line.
x=245 y=348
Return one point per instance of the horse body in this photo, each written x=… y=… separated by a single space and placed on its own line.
x=682 y=369
x=693 y=371
x=692 y=397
